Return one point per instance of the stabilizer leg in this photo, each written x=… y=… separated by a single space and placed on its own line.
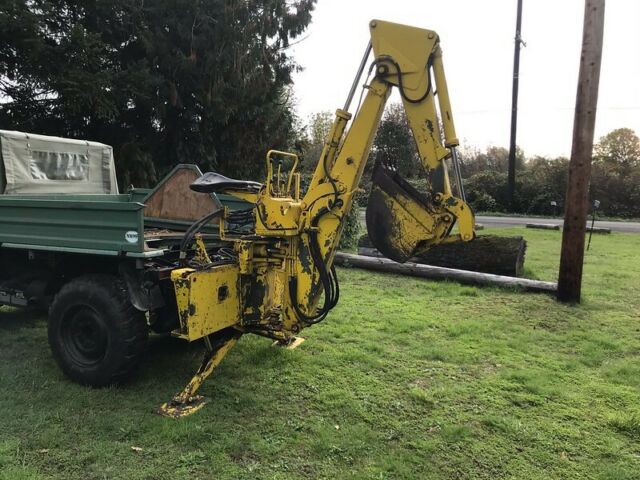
x=187 y=402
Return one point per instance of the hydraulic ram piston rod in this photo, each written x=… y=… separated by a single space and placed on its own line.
x=354 y=86
x=458 y=173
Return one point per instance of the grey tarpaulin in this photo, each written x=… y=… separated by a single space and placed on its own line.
x=40 y=164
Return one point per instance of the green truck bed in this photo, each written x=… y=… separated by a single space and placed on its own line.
x=100 y=224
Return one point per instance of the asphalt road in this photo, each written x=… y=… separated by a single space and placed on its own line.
x=487 y=221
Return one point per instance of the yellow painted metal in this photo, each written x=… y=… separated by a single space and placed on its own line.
x=277 y=215
x=450 y=137
x=244 y=249
x=464 y=215
x=187 y=402
x=414 y=229
x=208 y=300
x=291 y=344
x=201 y=256
x=279 y=189
x=275 y=284
x=409 y=47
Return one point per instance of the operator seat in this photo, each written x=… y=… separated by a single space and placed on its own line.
x=212 y=182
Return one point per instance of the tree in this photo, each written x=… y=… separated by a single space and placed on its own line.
x=615 y=175
x=316 y=134
x=492 y=159
x=618 y=151
x=487 y=190
x=539 y=181
x=199 y=81
x=394 y=143
x=545 y=181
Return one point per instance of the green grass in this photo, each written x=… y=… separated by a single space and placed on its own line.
x=406 y=379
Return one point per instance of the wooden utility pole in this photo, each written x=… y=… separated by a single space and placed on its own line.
x=577 y=204
x=511 y=183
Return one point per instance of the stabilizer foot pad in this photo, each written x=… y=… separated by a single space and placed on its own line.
x=176 y=409
x=291 y=344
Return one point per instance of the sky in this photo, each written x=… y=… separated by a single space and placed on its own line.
x=477 y=39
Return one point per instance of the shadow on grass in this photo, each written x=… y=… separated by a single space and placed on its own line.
x=15 y=318
x=161 y=344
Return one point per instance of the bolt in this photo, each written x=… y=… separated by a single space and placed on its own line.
x=373 y=24
x=431 y=35
x=382 y=70
x=349 y=160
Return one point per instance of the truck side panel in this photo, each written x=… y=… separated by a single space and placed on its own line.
x=97 y=223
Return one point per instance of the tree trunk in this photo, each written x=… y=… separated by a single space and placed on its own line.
x=439 y=273
x=486 y=254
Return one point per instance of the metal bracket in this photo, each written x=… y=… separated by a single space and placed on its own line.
x=142 y=298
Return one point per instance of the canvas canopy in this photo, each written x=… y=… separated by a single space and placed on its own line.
x=40 y=164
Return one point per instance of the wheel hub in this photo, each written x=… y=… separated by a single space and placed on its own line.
x=86 y=337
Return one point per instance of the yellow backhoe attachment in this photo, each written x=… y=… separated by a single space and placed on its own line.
x=275 y=274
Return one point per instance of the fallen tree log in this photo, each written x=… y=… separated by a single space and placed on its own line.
x=441 y=273
x=598 y=229
x=553 y=226
x=543 y=226
x=487 y=254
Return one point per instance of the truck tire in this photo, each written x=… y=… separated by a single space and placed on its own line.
x=96 y=335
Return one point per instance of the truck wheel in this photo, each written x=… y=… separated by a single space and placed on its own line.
x=96 y=335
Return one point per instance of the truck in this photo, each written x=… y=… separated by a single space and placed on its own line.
x=96 y=259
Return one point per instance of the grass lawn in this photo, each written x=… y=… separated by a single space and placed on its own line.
x=406 y=379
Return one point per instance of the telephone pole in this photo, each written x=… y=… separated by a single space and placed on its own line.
x=511 y=186
x=577 y=205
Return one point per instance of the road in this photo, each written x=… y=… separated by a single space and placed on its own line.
x=488 y=221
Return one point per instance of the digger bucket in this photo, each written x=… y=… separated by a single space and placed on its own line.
x=400 y=219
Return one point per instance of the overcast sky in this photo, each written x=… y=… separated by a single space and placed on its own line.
x=477 y=41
